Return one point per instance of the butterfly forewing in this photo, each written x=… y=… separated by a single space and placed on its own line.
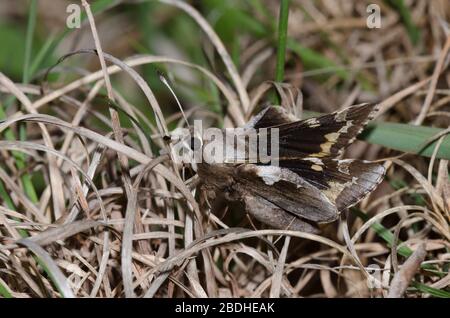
x=322 y=137
x=270 y=117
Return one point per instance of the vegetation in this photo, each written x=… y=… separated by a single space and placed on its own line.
x=91 y=207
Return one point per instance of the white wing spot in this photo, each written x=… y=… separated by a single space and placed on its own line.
x=269 y=174
x=316 y=161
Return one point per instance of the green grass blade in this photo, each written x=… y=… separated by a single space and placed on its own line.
x=3 y=193
x=9 y=135
x=29 y=40
x=388 y=237
x=384 y=233
x=6 y=197
x=430 y=290
x=27 y=183
x=407 y=138
x=405 y=16
x=4 y=291
x=12 y=50
x=20 y=161
x=282 y=39
x=314 y=60
x=52 y=43
x=41 y=55
x=59 y=280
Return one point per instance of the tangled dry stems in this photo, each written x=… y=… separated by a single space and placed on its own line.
x=138 y=226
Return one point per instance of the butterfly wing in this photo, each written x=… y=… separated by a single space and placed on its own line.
x=286 y=190
x=309 y=149
x=325 y=136
x=365 y=178
x=344 y=182
x=269 y=117
x=309 y=184
x=270 y=214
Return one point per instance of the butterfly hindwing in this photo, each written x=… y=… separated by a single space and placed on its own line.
x=270 y=214
x=345 y=182
x=365 y=178
x=286 y=190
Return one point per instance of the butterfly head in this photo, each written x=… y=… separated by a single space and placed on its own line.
x=186 y=145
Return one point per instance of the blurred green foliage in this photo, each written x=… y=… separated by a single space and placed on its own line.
x=12 y=51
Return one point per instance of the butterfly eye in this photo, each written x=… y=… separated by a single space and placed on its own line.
x=195 y=143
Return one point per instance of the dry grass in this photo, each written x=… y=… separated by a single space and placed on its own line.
x=117 y=218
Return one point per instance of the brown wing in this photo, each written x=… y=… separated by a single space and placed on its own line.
x=325 y=136
x=286 y=190
x=309 y=148
x=270 y=116
x=270 y=214
x=365 y=177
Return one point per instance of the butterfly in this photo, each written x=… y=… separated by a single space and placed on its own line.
x=310 y=184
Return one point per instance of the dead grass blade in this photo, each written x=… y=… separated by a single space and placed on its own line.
x=215 y=40
x=21 y=145
x=277 y=276
x=179 y=258
x=50 y=266
x=55 y=175
x=404 y=276
x=434 y=79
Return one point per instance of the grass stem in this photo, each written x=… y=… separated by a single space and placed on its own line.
x=282 y=39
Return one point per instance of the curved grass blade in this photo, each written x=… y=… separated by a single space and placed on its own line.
x=388 y=237
x=4 y=291
x=50 y=267
x=430 y=290
x=407 y=138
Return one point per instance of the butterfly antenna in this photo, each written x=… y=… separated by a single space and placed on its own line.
x=163 y=79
